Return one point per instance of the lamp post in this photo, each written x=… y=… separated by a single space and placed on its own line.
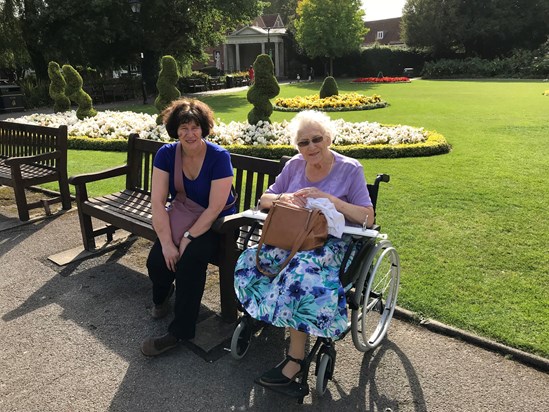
x=136 y=9
x=269 y=42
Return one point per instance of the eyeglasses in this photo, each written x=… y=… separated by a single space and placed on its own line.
x=305 y=143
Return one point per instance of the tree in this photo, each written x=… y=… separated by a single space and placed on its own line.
x=265 y=87
x=328 y=28
x=75 y=92
x=106 y=34
x=166 y=85
x=13 y=53
x=471 y=28
x=57 y=88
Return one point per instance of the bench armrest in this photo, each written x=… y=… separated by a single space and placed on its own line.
x=20 y=160
x=226 y=224
x=82 y=179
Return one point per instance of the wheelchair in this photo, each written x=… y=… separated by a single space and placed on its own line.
x=370 y=281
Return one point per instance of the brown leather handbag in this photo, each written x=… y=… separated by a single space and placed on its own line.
x=292 y=228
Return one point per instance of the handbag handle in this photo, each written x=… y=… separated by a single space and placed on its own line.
x=178 y=179
x=295 y=246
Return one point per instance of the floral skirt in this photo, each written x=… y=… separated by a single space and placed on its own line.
x=306 y=295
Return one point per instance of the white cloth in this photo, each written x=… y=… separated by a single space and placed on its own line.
x=335 y=219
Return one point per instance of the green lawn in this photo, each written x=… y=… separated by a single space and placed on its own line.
x=471 y=226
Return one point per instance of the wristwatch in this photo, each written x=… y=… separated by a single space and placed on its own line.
x=187 y=235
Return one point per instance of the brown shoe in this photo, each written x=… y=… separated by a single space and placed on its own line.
x=154 y=346
x=162 y=310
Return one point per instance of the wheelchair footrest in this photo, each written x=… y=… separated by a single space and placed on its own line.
x=294 y=389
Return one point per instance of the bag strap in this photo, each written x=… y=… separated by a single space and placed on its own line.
x=295 y=246
x=178 y=172
x=178 y=179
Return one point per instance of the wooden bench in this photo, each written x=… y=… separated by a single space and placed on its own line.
x=216 y=83
x=196 y=85
x=32 y=155
x=130 y=208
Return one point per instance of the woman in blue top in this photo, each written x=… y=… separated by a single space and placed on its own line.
x=207 y=178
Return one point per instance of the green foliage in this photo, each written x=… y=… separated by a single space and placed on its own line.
x=327 y=28
x=13 y=53
x=77 y=95
x=35 y=91
x=462 y=27
x=328 y=88
x=61 y=103
x=166 y=85
x=522 y=64
x=369 y=62
x=103 y=145
x=265 y=87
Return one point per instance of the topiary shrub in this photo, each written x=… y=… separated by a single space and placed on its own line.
x=77 y=94
x=265 y=87
x=329 y=88
x=61 y=103
x=166 y=85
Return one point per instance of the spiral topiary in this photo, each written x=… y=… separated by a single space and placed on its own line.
x=77 y=94
x=61 y=103
x=265 y=87
x=328 y=88
x=166 y=85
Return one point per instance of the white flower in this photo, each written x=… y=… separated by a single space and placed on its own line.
x=118 y=125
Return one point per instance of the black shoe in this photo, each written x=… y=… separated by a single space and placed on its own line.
x=162 y=310
x=275 y=377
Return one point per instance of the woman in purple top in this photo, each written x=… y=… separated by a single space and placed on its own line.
x=306 y=296
x=207 y=179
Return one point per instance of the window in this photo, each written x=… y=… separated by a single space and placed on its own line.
x=379 y=35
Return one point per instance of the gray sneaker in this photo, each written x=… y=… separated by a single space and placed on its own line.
x=162 y=310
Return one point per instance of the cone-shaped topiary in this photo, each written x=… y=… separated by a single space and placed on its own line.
x=265 y=87
x=61 y=103
x=166 y=85
x=77 y=94
x=329 y=88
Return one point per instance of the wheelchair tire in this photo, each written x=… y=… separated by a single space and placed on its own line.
x=325 y=370
x=240 y=342
x=378 y=289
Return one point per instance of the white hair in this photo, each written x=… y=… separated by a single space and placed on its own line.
x=311 y=117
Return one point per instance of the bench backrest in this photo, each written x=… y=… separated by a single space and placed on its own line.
x=252 y=175
x=18 y=139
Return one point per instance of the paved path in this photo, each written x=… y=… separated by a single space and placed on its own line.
x=69 y=341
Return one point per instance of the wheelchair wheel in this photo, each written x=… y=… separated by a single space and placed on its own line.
x=378 y=290
x=242 y=335
x=324 y=373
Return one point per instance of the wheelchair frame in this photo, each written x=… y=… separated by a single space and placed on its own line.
x=370 y=282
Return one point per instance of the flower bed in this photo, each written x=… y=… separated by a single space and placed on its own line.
x=109 y=131
x=339 y=103
x=381 y=80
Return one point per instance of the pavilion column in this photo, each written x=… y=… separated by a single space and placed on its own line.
x=225 y=58
x=237 y=46
x=277 y=60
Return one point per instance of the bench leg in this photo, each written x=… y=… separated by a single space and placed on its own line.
x=19 y=191
x=65 y=193
x=226 y=282
x=21 y=201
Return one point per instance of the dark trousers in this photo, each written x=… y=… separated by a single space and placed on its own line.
x=190 y=279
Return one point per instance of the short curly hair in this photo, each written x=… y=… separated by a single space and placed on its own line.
x=182 y=111
x=311 y=117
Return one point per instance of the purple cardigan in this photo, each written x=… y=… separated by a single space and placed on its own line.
x=346 y=180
